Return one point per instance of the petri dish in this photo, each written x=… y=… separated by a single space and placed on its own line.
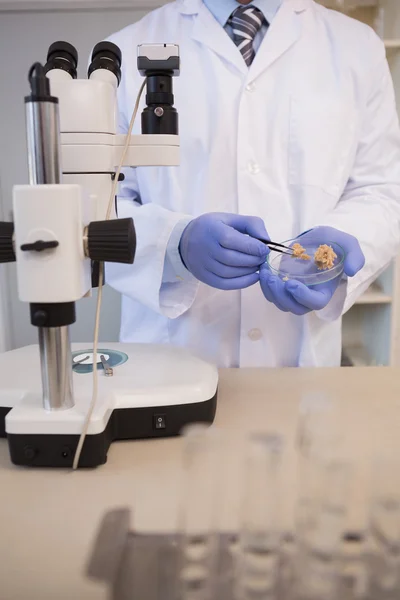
x=306 y=271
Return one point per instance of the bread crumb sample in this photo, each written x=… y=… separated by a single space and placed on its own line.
x=299 y=252
x=325 y=257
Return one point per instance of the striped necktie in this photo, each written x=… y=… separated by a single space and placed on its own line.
x=246 y=22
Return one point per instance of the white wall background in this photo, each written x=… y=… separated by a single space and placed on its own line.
x=17 y=5
x=24 y=38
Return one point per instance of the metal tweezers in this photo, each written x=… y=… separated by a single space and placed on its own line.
x=277 y=247
x=81 y=361
x=108 y=371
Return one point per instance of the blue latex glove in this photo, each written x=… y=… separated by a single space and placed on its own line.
x=220 y=250
x=295 y=297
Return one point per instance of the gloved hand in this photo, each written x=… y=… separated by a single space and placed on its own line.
x=219 y=249
x=295 y=297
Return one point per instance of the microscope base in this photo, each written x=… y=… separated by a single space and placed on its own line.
x=154 y=393
x=57 y=450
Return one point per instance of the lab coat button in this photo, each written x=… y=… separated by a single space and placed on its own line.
x=251 y=88
x=254 y=168
x=255 y=335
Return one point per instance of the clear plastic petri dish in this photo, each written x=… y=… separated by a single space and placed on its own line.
x=306 y=271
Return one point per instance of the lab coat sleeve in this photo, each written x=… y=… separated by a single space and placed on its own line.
x=174 y=269
x=370 y=206
x=158 y=278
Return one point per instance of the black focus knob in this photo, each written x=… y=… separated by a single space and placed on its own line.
x=7 y=253
x=112 y=241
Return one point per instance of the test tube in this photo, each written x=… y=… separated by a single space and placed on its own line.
x=198 y=515
x=385 y=530
x=260 y=529
x=324 y=479
x=319 y=538
x=316 y=424
x=315 y=439
x=354 y=567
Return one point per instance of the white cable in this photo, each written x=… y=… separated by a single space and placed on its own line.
x=100 y=292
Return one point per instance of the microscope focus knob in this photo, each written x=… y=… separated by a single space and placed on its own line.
x=112 y=241
x=7 y=253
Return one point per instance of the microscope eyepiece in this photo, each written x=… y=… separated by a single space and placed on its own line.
x=107 y=50
x=108 y=56
x=63 y=56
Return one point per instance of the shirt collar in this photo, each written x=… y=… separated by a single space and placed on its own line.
x=222 y=9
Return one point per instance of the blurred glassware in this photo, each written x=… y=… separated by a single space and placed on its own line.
x=385 y=529
x=260 y=536
x=324 y=477
x=198 y=556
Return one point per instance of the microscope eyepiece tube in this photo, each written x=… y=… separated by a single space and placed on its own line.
x=106 y=63
x=62 y=57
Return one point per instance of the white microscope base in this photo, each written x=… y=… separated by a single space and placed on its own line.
x=156 y=392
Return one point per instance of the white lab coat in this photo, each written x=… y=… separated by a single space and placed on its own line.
x=308 y=136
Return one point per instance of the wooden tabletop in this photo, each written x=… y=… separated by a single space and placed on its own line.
x=49 y=519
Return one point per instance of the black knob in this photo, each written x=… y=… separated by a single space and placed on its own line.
x=39 y=318
x=112 y=241
x=7 y=253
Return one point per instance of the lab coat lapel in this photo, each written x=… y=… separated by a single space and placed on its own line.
x=284 y=32
x=208 y=32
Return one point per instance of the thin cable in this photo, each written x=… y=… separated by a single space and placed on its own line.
x=100 y=292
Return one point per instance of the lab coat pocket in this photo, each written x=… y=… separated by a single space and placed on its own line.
x=322 y=136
